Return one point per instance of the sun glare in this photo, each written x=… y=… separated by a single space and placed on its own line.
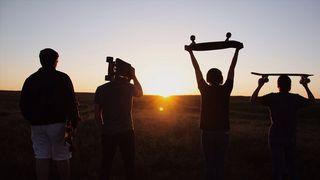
x=161 y=109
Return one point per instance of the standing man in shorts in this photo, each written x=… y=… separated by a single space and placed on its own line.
x=113 y=111
x=48 y=102
x=283 y=107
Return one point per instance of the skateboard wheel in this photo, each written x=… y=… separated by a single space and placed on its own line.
x=228 y=35
x=109 y=59
x=192 y=38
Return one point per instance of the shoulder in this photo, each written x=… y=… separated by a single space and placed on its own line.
x=103 y=86
x=269 y=96
x=33 y=77
x=62 y=74
x=297 y=96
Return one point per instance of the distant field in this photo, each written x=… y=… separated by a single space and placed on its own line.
x=167 y=141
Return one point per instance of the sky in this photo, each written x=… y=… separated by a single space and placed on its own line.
x=278 y=36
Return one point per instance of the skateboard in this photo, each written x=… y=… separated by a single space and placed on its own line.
x=304 y=77
x=208 y=46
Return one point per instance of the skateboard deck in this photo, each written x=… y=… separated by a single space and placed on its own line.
x=279 y=74
x=208 y=46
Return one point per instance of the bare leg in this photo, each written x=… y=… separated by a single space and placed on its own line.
x=42 y=169
x=63 y=169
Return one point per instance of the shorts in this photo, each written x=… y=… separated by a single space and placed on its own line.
x=48 y=142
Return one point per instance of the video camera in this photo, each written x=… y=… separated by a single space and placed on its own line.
x=118 y=68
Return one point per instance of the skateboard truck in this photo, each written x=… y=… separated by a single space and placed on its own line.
x=119 y=68
x=110 y=76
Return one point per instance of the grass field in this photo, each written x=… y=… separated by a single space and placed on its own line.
x=167 y=141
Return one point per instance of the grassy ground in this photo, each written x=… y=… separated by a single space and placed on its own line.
x=167 y=142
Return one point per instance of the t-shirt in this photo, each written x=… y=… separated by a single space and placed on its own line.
x=48 y=97
x=215 y=106
x=115 y=99
x=283 y=108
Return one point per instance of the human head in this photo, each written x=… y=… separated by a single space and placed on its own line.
x=284 y=83
x=214 y=76
x=48 y=58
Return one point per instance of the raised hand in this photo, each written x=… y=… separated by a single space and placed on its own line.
x=240 y=47
x=304 y=81
x=263 y=80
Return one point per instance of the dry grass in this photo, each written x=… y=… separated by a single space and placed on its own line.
x=167 y=142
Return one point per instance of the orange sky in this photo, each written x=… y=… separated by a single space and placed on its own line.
x=151 y=35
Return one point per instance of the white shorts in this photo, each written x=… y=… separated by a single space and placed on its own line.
x=48 y=142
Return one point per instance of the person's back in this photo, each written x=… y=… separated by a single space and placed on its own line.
x=115 y=100
x=49 y=99
x=283 y=109
x=215 y=106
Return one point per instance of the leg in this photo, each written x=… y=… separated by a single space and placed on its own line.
x=60 y=150
x=63 y=167
x=222 y=145
x=109 y=145
x=42 y=169
x=214 y=146
x=277 y=154
x=127 y=149
x=290 y=157
x=209 y=166
x=42 y=151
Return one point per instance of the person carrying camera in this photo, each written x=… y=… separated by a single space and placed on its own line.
x=214 y=120
x=113 y=111
x=283 y=108
x=48 y=102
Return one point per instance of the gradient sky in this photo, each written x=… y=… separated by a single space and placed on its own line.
x=279 y=36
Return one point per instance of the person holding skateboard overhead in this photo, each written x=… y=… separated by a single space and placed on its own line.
x=214 y=121
x=283 y=107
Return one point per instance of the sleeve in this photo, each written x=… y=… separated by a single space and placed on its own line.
x=25 y=100
x=266 y=100
x=73 y=112
x=228 y=85
x=302 y=101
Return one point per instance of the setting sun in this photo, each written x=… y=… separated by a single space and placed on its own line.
x=161 y=109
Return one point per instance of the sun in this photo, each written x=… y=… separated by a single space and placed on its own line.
x=161 y=109
x=164 y=93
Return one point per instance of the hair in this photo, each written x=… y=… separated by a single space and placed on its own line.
x=48 y=57
x=214 y=76
x=284 y=83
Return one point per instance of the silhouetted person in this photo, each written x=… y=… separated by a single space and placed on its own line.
x=283 y=108
x=214 y=115
x=47 y=103
x=113 y=110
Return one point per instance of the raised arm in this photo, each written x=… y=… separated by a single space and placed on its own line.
x=304 y=82
x=254 y=97
x=234 y=63
x=138 y=92
x=196 y=67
